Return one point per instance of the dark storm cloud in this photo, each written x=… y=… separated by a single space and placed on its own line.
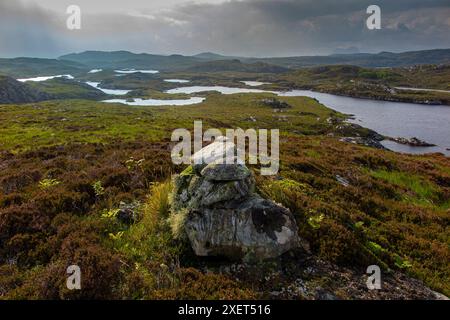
x=310 y=26
x=249 y=27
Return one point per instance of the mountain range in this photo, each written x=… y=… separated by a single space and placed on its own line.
x=80 y=63
x=125 y=59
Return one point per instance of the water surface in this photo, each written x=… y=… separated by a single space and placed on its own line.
x=136 y=71
x=222 y=90
x=254 y=83
x=116 y=92
x=395 y=119
x=157 y=102
x=177 y=80
x=45 y=78
x=95 y=70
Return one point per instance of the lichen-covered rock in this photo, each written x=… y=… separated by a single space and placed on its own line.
x=254 y=229
x=225 y=217
x=195 y=191
x=204 y=193
x=225 y=172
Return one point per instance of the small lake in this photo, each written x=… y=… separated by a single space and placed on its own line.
x=177 y=81
x=136 y=71
x=39 y=79
x=95 y=71
x=157 y=102
x=394 y=119
x=222 y=90
x=254 y=83
x=116 y=92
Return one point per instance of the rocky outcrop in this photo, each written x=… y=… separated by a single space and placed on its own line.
x=13 y=91
x=413 y=142
x=224 y=216
x=356 y=134
x=368 y=142
x=275 y=104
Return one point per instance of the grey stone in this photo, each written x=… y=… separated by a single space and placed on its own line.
x=213 y=152
x=276 y=104
x=225 y=172
x=342 y=181
x=196 y=191
x=251 y=230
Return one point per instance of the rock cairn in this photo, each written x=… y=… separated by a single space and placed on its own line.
x=224 y=216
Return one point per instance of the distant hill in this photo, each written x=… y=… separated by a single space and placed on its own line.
x=32 y=67
x=379 y=60
x=13 y=91
x=211 y=56
x=332 y=75
x=236 y=66
x=60 y=88
x=125 y=59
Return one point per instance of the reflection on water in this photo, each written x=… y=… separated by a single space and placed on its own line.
x=39 y=79
x=254 y=83
x=394 y=119
x=157 y=102
x=176 y=80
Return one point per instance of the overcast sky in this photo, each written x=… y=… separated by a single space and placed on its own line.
x=245 y=27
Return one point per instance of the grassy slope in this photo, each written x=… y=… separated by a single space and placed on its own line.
x=394 y=213
x=428 y=76
x=57 y=122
